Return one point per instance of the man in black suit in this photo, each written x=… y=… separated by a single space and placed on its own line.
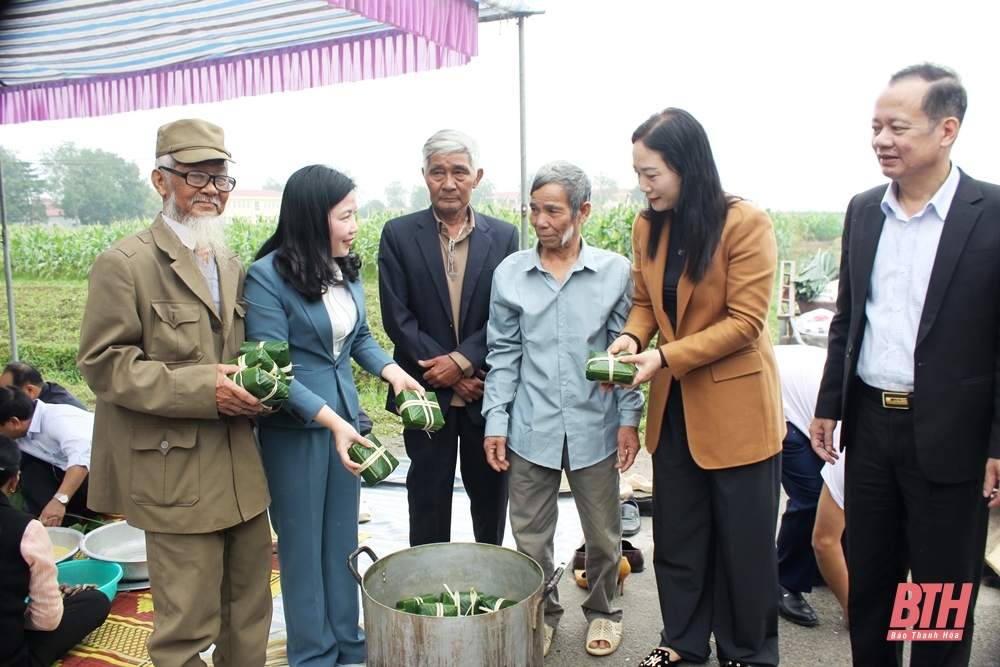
x=912 y=368
x=435 y=273
x=27 y=377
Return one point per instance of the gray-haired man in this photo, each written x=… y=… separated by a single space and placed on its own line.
x=435 y=268
x=550 y=306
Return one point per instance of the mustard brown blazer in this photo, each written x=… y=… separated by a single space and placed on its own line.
x=151 y=338
x=721 y=351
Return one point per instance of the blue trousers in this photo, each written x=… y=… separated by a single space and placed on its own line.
x=802 y=482
x=314 y=509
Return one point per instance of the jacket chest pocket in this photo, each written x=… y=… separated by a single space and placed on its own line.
x=166 y=466
x=176 y=332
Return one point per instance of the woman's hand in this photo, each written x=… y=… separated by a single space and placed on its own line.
x=623 y=344
x=400 y=380
x=344 y=435
x=646 y=365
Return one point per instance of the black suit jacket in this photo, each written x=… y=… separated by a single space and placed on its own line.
x=416 y=307
x=956 y=389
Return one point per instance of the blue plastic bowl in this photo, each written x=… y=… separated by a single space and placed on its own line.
x=103 y=573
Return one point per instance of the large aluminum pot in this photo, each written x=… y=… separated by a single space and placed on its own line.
x=120 y=543
x=511 y=637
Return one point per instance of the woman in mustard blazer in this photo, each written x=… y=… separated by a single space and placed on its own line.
x=305 y=288
x=704 y=265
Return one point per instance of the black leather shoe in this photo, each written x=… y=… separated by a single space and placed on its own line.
x=793 y=607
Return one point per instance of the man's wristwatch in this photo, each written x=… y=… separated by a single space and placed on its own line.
x=62 y=497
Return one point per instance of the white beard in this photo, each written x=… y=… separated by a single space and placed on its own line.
x=206 y=230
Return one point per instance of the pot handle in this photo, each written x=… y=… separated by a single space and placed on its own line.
x=355 y=554
x=550 y=586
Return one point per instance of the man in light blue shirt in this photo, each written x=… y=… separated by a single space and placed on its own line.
x=550 y=306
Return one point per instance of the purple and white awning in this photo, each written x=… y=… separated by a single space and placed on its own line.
x=77 y=58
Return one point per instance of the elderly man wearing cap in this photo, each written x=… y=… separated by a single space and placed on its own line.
x=174 y=449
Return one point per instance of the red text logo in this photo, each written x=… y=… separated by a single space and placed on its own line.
x=915 y=605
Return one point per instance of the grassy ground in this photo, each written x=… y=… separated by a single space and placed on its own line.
x=48 y=331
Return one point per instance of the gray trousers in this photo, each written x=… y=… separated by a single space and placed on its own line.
x=534 y=492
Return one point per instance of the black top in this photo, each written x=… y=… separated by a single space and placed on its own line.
x=15 y=576
x=672 y=275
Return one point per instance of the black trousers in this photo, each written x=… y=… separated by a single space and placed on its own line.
x=713 y=550
x=802 y=482
x=430 y=481
x=39 y=482
x=82 y=614
x=899 y=521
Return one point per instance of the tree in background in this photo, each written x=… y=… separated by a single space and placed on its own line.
x=374 y=206
x=395 y=195
x=22 y=190
x=271 y=184
x=97 y=187
x=483 y=193
x=637 y=197
x=420 y=198
x=605 y=191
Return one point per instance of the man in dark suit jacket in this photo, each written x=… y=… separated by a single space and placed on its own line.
x=912 y=369
x=27 y=377
x=435 y=273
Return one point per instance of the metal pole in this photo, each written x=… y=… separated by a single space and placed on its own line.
x=524 y=137
x=6 y=268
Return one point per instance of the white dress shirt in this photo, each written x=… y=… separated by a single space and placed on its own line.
x=60 y=435
x=342 y=310
x=903 y=263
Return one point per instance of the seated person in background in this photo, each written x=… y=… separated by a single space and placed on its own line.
x=800 y=368
x=26 y=377
x=55 y=441
x=828 y=533
x=37 y=625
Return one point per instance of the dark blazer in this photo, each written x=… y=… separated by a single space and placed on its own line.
x=956 y=382
x=416 y=308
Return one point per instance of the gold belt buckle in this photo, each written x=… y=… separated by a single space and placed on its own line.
x=896 y=400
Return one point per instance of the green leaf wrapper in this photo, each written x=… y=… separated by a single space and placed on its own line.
x=438 y=609
x=377 y=464
x=467 y=603
x=491 y=603
x=277 y=350
x=599 y=367
x=412 y=605
x=419 y=414
x=260 y=358
x=270 y=390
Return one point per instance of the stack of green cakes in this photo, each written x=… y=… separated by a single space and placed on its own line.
x=265 y=371
x=454 y=603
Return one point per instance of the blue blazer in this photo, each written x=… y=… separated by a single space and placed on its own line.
x=278 y=312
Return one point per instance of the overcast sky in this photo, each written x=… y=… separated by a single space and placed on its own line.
x=785 y=90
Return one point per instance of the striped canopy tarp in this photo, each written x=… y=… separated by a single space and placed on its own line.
x=78 y=58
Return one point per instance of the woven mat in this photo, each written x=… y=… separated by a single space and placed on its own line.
x=121 y=641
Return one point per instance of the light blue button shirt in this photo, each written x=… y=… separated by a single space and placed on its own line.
x=904 y=260
x=538 y=335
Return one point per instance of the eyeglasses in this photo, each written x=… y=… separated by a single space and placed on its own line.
x=199 y=179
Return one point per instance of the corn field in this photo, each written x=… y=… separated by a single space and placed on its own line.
x=67 y=253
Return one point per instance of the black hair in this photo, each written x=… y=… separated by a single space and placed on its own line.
x=10 y=459
x=945 y=96
x=301 y=242
x=700 y=214
x=15 y=403
x=22 y=374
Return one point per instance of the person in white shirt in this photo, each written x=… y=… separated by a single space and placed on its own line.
x=55 y=442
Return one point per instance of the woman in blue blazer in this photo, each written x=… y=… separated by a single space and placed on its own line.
x=305 y=288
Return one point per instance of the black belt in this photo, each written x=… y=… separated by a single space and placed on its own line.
x=892 y=400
